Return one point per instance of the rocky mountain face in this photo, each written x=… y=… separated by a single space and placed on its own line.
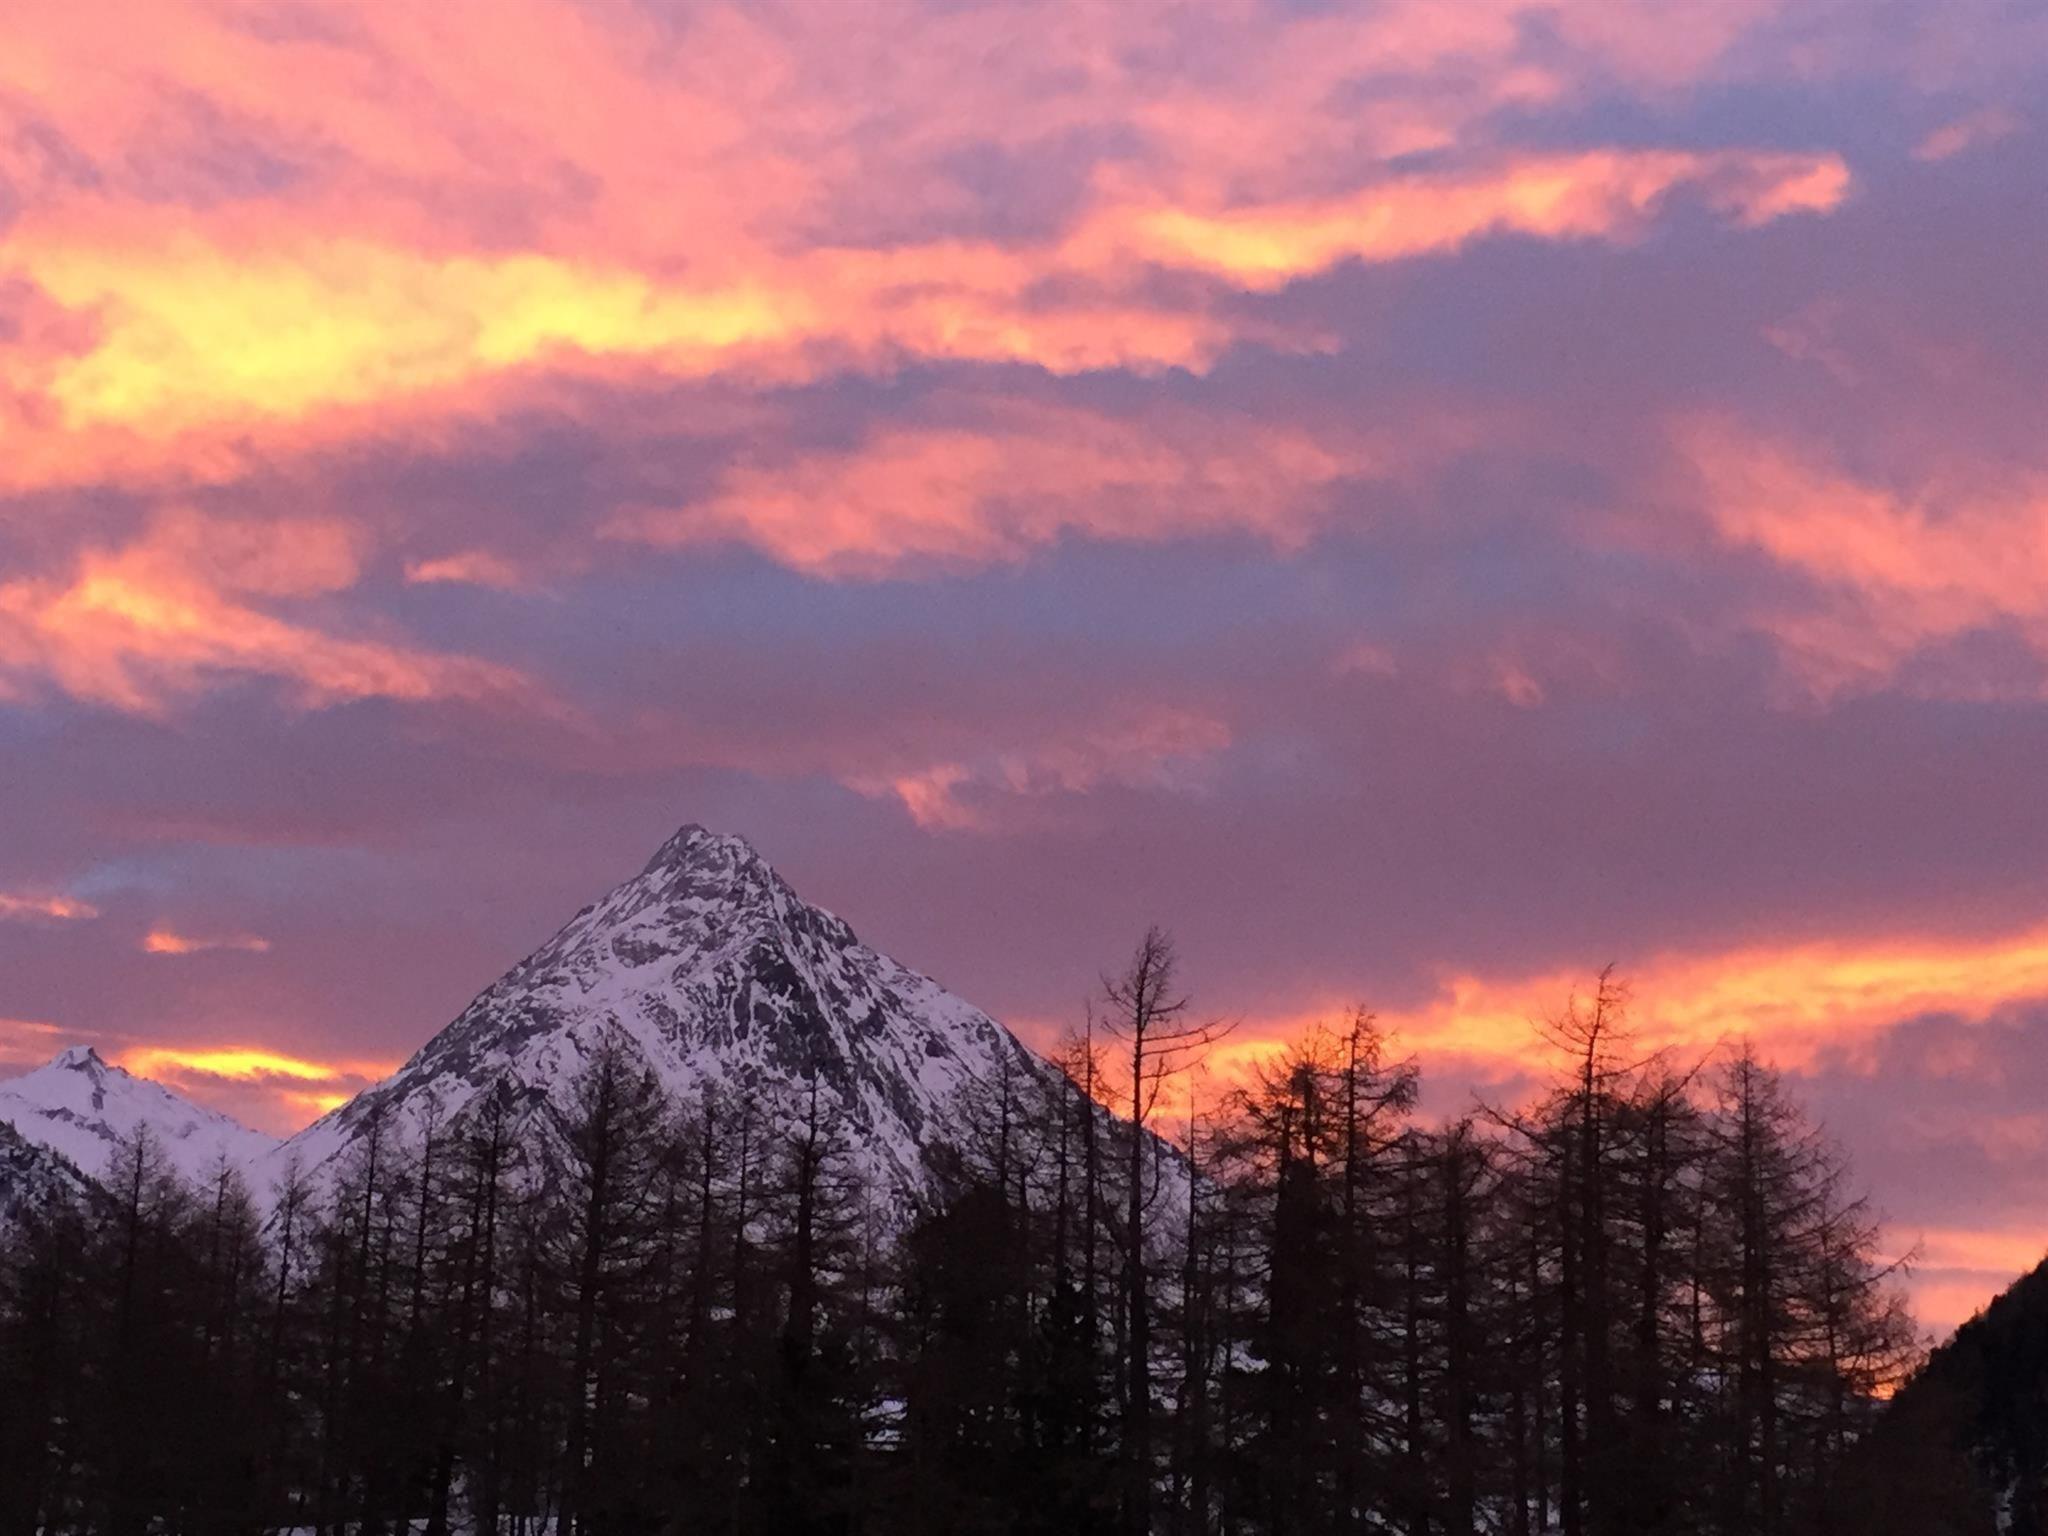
x=83 y=1108
x=31 y=1174
x=710 y=970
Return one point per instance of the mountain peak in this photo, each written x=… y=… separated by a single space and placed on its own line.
x=78 y=1058
x=698 y=848
x=701 y=886
x=711 y=968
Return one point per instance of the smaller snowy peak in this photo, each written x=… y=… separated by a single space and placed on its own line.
x=83 y=1107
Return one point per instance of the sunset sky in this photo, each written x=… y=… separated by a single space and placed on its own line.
x=1422 y=497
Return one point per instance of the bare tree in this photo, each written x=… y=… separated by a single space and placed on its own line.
x=1149 y=1015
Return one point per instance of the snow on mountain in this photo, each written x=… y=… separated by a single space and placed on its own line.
x=714 y=972
x=82 y=1108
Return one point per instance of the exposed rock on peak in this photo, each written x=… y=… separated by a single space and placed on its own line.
x=31 y=1174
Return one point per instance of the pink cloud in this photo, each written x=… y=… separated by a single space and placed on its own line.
x=1972 y=131
x=137 y=625
x=1896 y=567
x=1011 y=478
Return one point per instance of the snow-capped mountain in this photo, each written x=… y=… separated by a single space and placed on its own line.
x=82 y=1108
x=712 y=970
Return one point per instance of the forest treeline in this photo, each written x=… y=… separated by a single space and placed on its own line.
x=1647 y=1300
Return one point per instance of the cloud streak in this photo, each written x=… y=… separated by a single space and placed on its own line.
x=165 y=941
x=21 y=906
x=1148 y=747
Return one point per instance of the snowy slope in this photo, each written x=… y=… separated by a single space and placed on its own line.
x=714 y=971
x=82 y=1108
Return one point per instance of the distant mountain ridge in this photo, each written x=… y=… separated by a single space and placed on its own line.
x=82 y=1108
x=1962 y=1449
x=712 y=971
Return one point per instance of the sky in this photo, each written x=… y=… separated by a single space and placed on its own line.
x=1424 y=498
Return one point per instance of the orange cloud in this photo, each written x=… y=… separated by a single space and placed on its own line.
x=138 y=625
x=241 y=1063
x=197 y=335
x=1797 y=1001
x=1897 y=569
x=201 y=338
x=199 y=351
x=281 y=1090
x=1605 y=194
x=16 y=904
x=1801 y=1003
x=161 y=941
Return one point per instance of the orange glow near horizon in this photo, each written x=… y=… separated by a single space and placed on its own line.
x=241 y=1063
x=283 y=1092
x=1833 y=999
x=1814 y=1007
x=1801 y=1001
x=1836 y=997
